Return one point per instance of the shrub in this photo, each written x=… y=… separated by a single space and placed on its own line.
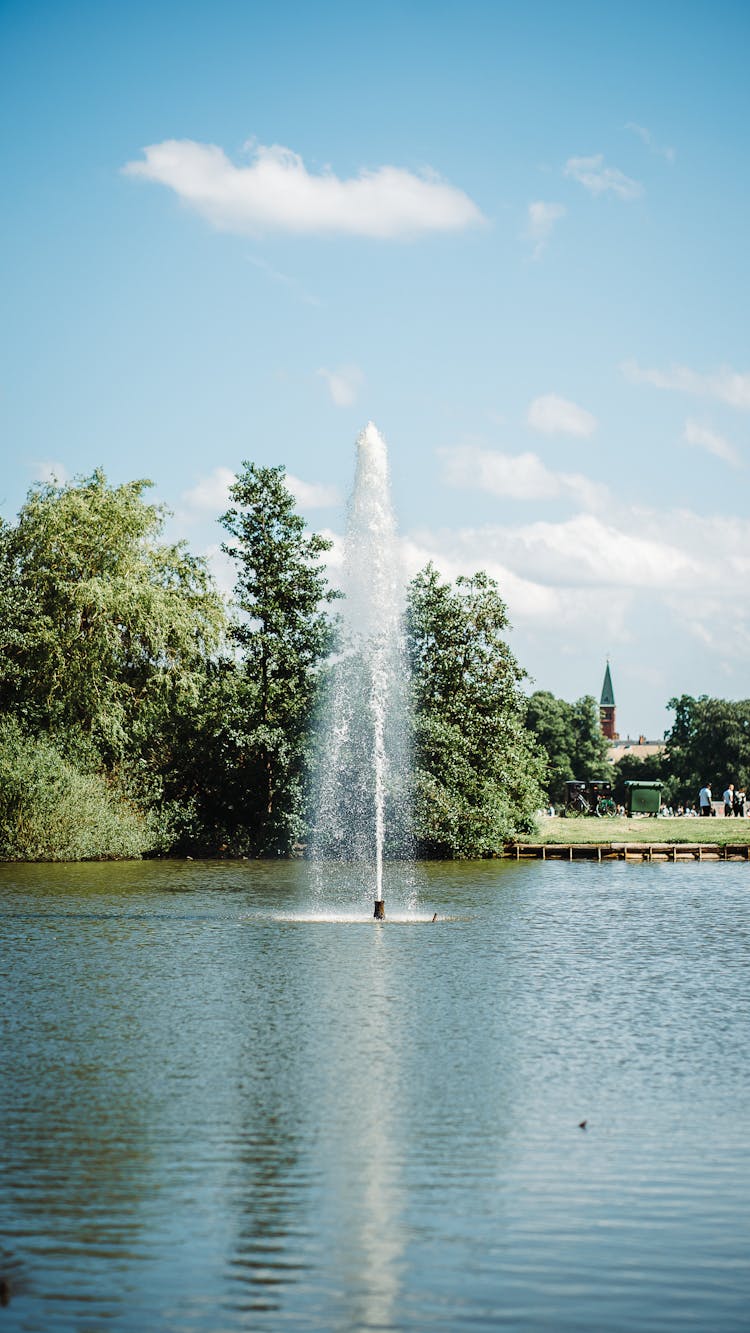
x=50 y=810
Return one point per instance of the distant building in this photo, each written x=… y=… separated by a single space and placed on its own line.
x=635 y=749
x=607 y=709
x=641 y=748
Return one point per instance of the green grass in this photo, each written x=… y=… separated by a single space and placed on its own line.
x=640 y=829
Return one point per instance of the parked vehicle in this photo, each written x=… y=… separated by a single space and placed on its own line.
x=593 y=797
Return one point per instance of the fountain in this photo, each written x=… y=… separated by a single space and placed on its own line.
x=363 y=799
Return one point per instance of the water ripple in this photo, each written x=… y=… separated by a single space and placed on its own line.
x=223 y=1108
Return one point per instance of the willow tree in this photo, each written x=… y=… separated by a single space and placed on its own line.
x=116 y=624
x=282 y=636
x=477 y=770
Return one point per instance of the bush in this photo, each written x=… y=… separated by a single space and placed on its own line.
x=651 y=768
x=50 y=810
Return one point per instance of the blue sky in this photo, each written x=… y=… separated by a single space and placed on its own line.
x=513 y=235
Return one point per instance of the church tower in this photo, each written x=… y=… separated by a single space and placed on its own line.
x=607 y=708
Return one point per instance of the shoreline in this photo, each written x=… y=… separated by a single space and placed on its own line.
x=628 y=851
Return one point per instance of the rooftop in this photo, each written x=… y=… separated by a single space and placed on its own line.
x=638 y=748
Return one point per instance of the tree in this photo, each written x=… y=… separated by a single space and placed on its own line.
x=651 y=768
x=20 y=627
x=477 y=772
x=283 y=636
x=708 y=742
x=571 y=738
x=116 y=624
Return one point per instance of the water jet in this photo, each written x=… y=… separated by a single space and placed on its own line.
x=363 y=785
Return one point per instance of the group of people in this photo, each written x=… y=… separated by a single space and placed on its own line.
x=734 y=801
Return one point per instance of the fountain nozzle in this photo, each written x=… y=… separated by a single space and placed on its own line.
x=379 y=913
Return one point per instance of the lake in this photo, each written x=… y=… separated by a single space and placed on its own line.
x=231 y=1100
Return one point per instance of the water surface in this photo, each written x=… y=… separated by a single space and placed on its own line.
x=230 y=1100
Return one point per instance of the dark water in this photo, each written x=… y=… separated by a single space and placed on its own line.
x=217 y=1113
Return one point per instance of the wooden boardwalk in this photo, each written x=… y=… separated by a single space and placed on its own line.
x=627 y=851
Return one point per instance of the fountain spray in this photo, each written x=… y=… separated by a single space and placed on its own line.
x=365 y=737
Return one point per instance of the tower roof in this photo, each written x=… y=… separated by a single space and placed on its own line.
x=608 y=695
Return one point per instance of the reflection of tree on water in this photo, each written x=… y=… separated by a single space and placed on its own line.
x=267 y=1187
x=14 y=1277
x=271 y=1197
x=76 y=1154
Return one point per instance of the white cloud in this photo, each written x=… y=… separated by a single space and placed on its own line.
x=585 y=572
x=722 y=541
x=727 y=385
x=344 y=384
x=667 y=579
x=713 y=443
x=312 y=494
x=541 y=221
x=516 y=477
x=335 y=558
x=553 y=415
x=664 y=552
x=48 y=470
x=210 y=498
x=454 y=553
x=588 y=550
x=583 y=552
x=222 y=567
x=210 y=495
x=550 y=621
x=661 y=150
x=276 y=192
x=598 y=179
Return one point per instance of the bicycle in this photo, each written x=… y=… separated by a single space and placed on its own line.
x=577 y=804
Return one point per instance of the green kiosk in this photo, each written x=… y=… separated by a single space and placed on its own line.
x=643 y=798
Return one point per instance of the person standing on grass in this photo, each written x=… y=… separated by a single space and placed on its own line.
x=729 y=801
x=739 y=804
x=704 y=799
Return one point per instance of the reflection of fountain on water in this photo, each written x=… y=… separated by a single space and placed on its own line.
x=363 y=799
x=364 y=1158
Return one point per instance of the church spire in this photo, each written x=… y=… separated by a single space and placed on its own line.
x=607 y=708
x=608 y=695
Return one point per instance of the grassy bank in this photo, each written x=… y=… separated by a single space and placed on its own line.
x=640 y=829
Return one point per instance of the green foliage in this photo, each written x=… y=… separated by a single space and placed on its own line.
x=212 y=785
x=50 y=810
x=100 y=624
x=112 y=647
x=652 y=767
x=284 y=635
x=708 y=742
x=477 y=771
x=571 y=738
x=124 y=690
